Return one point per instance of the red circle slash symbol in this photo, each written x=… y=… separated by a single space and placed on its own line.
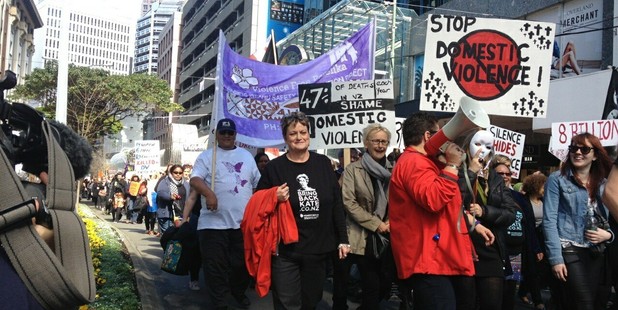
x=485 y=64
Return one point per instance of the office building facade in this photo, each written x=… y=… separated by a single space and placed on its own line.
x=147 y=33
x=19 y=19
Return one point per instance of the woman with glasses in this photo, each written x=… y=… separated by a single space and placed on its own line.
x=486 y=197
x=172 y=192
x=502 y=165
x=365 y=198
x=515 y=234
x=571 y=194
x=307 y=180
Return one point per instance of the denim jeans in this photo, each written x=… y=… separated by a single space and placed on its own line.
x=164 y=224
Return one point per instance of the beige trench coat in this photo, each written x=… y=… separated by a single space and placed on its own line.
x=359 y=204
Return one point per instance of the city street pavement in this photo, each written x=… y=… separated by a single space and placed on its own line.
x=161 y=290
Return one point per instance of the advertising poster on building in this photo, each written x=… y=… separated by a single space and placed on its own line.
x=579 y=36
x=504 y=64
x=257 y=95
x=147 y=158
x=510 y=144
x=285 y=16
x=339 y=111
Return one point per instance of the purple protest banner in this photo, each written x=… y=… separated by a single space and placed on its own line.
x=256 y=95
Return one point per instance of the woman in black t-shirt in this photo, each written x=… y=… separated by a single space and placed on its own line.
x=307 y=180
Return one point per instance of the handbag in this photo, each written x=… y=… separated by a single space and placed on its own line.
x=141 y=202
x=376 y=245
x=171 y=258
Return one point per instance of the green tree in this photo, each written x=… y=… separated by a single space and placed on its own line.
x=97 y=100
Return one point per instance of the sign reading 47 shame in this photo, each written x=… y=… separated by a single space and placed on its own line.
x=339 y=111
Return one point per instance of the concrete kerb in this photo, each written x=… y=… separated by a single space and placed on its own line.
x=144 y=281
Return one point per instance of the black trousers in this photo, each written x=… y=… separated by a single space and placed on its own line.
x=223 y=262
x=437 y=292
x=580 y=289
x=376 y=275
x=298 y=280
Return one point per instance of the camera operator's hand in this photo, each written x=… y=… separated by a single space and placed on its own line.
x=46 y=234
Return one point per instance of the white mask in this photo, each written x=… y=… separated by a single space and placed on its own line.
x=483 y=140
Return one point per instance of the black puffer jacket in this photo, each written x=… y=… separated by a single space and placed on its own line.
x=498 y=215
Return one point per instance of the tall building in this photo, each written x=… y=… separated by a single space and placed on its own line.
x=147 y=34
x=19 y=19
x=145 y=6
x=95 y=39
x=98 y=37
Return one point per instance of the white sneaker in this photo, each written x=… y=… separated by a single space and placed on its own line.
x=193 y=285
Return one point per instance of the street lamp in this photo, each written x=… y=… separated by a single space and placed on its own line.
x=202 y=82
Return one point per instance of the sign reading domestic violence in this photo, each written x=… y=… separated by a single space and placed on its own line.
x=510 y=144
x=606 y=130
x=338 y=111
x=147 y=157
x=504 y=64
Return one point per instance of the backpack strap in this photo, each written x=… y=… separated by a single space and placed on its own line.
x=62 y=277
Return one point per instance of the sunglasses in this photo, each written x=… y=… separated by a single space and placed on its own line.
x=226 y=132
x=177 y=172
x=584 y=149
x=508 y=174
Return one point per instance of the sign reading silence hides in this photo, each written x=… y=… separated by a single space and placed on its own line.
x=504 y=64
x=510 y=144
x=339 y=111
x=147 y=158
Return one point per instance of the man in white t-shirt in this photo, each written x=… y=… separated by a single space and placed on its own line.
x=223 y=206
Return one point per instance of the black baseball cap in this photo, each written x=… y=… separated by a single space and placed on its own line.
x=226 y=124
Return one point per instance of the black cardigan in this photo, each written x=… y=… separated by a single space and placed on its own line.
x=498 y=215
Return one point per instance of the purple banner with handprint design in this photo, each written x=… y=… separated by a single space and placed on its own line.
x=256 y=95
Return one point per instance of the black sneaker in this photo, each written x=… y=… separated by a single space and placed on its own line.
x=243 y=301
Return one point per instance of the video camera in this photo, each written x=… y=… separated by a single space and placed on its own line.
x=23 y=140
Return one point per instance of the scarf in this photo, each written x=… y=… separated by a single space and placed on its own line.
x=174 y=189
x=382 y=177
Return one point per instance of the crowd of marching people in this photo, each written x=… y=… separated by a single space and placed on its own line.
x=447 y=229
x=146 y=200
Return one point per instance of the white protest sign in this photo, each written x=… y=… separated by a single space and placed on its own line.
x=510 y=144
x=502 y=63
x=147 y=159
x=605 y=130
x=561 y=154
x=339 y=111
x=398 y=134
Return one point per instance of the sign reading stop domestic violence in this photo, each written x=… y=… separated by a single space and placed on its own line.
x=147 y=158
x=504 y=64
x=339 y=111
